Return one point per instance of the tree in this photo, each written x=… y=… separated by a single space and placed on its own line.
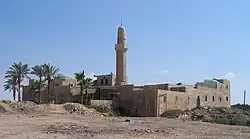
x=19 y=71
x=84 y=83
x=50 y=72
x=36 y=87
x=38 y=71
x=11 y=85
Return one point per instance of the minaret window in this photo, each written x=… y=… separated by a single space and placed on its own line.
x=106 y=81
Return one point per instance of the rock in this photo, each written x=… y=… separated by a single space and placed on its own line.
x=147 y=130
x=6 y=101
x=127 y=120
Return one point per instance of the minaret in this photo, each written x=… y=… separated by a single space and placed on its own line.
x=121 y=48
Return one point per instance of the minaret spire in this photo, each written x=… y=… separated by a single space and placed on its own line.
x=121 y=50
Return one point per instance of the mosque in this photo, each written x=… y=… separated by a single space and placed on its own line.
x=147 y=100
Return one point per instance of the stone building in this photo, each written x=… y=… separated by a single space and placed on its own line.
x=147 y=100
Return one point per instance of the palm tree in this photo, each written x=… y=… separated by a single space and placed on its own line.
x=50 y=72
x=11 y=85
x=36 y=87
x=84 y=83
x=19 y=71
x=38 y=71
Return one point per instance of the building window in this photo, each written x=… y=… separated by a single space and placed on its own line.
x=71 y=85
x=226 y=86
x=164 y=99
x=56 y=84
x=205 y=98
x=106 y=81
x=101 y=81
x=220 y=99
x=213 y=98
x=226 y=98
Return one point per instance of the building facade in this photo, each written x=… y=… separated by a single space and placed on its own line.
x=147 y=100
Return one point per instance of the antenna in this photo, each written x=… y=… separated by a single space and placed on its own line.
x=244 y=97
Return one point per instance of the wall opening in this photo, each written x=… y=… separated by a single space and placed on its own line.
x=164 y=99
x=198 y=102
x=213 y=98
x=205 y=98
x=220 y=99
x=226 y=98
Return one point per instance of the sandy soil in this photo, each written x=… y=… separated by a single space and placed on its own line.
x=73 y=126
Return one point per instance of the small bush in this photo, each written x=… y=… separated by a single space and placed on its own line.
x=222 y=121
x=172 y=113
x=248 y=123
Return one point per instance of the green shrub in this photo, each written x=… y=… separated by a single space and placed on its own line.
x=248 y=123
x=172 y=113
x=222 y=121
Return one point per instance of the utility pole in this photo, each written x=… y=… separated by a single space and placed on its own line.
x=244 y=97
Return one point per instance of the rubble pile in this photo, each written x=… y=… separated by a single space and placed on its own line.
x=76 y=108
x=232 y=116
x=28 y=107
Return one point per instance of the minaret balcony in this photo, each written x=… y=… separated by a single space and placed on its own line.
x=121 y=47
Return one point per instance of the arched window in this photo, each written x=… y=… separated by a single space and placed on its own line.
x=226 y=98
x=205 y=98
x=198 y=103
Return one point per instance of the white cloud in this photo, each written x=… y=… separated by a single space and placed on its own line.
x=163 y=72
x=154 y=83
x=91 y=75
x=229 y=75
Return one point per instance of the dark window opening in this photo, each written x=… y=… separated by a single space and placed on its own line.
x=198 y=103
x=106 y=81
x=226 y=98
x=226 y=86
x=164 y=99
x=56 y=84
x=205 y=98
x=213 y=98
x=101 y=81
x=220 y=99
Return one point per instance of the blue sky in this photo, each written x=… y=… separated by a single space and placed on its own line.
x=169 y=41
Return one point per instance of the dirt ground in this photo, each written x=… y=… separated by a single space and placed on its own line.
x=75 y=126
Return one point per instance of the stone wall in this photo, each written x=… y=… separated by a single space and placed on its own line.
x=173 y=100
x=62 y=94
x=106 y=103
x=27 y=95
x=137 y=101
x=192 y=98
